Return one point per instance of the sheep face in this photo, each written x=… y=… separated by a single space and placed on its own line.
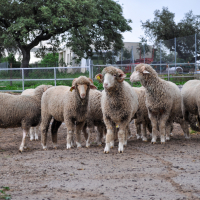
x=82 y=85
x=82 y=89
x=138 y=74
x=109 y=81
x=110 y=76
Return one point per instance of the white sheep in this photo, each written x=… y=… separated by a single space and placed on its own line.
x=21 y=111
x=142 y=121
x=94 y=117
x=119 y=104
x=191 y=100
x=163 y=101
x=65 y=104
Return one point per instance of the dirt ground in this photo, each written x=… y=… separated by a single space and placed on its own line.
x=143 y=171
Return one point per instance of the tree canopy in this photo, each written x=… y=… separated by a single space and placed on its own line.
x=163 y=27
x=82 y=23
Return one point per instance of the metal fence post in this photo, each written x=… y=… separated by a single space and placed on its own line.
x=175 y=51
x=195 y=52
x=168 y=72
x=144 y=51
x=54 y=76
x=23 y=79
x=160 y=56
x=92 y=71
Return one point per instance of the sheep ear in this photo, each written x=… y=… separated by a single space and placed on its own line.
x=45 y=88
x=93 y=87
x=72 y=88
x=144 y=71
x=121 y=77
x=99 y=77
x=90 y=80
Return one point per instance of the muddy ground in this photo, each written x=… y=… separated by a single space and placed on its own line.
x=143 y=171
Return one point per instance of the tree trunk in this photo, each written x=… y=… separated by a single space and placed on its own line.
x=25 y=60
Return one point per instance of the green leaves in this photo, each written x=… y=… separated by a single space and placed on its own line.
x=86 y=22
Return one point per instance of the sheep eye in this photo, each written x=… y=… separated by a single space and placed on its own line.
x=115 y=75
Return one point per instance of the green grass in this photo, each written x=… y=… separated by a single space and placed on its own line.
x=3 y=194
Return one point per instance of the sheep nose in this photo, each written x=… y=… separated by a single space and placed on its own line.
x=82 y=96
x=105 y=85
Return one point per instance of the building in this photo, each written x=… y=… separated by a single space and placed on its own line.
x=66 y=56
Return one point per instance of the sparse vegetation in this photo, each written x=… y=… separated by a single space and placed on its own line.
x=3 y=194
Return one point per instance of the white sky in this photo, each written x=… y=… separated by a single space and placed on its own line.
x=141 y=10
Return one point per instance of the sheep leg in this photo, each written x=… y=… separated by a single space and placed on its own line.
x=144 y=132
x=162 y=127
x=169 y=127
x=138 y=129
x=85 y=133
x=127 y=133
x=79 y=127
x=23 y=144
x=185 y=128
x=36 y=132
x=31 y=133
x=90 y=130
x=54 y=130
x=110 y=126
x=109 y=140
x=154 y=127
x=44 y=129
x=100 y=130
x=121 y=137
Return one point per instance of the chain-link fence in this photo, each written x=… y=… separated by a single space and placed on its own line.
x=184 y=50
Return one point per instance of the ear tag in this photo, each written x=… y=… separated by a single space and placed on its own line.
x=98 y=77
x=71 y=89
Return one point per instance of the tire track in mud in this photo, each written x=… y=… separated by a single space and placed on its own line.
x=170 y=175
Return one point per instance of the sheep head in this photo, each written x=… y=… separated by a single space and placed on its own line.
x=82 y=84
x=109 y=76
x=141 y=71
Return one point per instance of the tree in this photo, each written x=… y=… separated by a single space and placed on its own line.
x=143 y=47
x=163 y=27
x=82 y=23
x=50 y=59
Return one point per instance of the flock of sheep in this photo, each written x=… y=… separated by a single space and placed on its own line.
x=154 y=106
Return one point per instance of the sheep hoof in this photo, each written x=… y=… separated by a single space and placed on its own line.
x=20 y=150
x=120 y=147
x=87 y=144
x=138 y=137
x=162 y=142
x=78 y=145
x=106 y=152
x=167 y=138
x=68 y=146
x=153 y=142
x=144 y=139
x=187 y=137
x=31 y=139
x=36 y=139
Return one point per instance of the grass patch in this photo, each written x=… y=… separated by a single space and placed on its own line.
x=3 y=194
